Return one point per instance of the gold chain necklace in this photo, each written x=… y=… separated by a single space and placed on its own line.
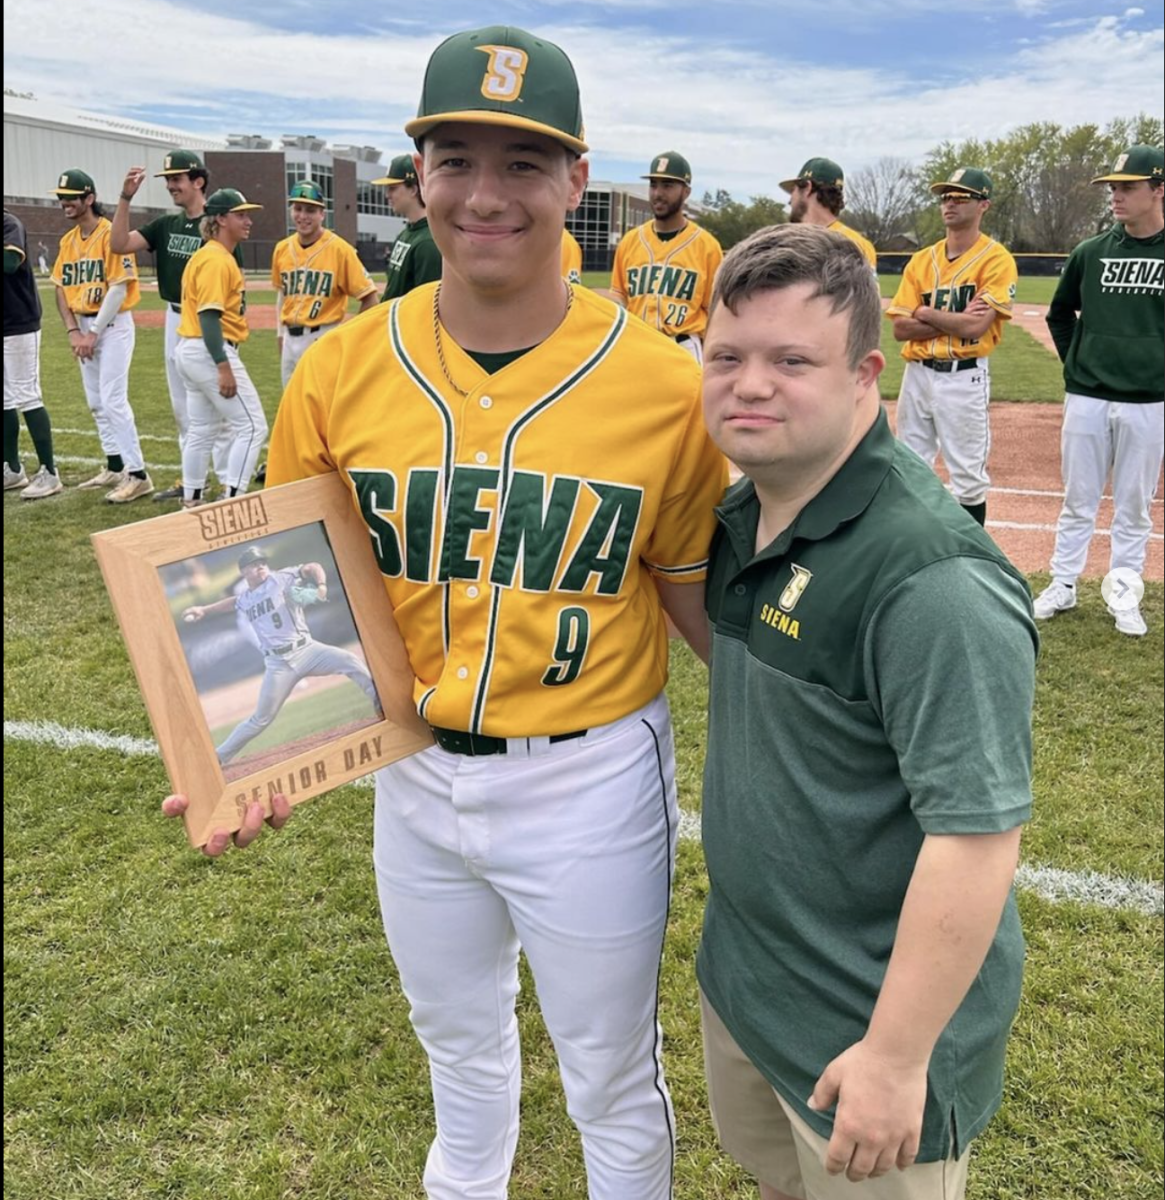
x=440 y=344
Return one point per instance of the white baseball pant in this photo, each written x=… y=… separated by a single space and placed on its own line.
x=294 y=347
x=693 y=344
x=948 y=411
x=1100 y=437
x=22 y=372
x=174 y=381
x=105 y=378
x=243 y=414
x=564 y=850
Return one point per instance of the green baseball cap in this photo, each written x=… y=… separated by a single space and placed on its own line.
x=670 y=165
x=501 y=75
x=180 y=162
x=1137 y=162
x=817 y=170
x=402 y=169
x=227 y=200
x=305 y=192
x=969 y=181
x=75 y=182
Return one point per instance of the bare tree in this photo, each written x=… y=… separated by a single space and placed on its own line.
x=880 y=200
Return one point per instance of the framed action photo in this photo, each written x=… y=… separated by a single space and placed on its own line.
x=264 y=646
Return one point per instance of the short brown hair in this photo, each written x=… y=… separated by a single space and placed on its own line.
x=784 y=255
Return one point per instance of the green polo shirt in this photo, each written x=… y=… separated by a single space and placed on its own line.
x=872 y=681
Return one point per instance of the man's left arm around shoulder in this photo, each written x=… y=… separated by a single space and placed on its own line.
x=948 y=921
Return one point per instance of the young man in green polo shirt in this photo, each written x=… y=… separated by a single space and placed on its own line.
x=869 y=757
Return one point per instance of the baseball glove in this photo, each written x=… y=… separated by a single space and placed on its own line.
x=306 y=594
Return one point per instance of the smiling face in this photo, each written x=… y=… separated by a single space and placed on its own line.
x=183 y=190
x=496 y=198
x=237 y=225
x=75 y=207
x=308 y=220
x=781 y=399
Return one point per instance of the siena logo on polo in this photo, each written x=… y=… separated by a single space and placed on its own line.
x=1132 y=274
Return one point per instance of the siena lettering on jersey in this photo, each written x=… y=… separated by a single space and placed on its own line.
x=951 y=299
x=1133 y=275
x=529 y=548
x=658 y=280
x=83 y=271
x=305 y=282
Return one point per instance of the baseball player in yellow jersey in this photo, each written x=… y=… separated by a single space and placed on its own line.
x=211 y=329
x=664 y=269
x=532 y=518
x=313 y=272
x=949 y=311
x=817 y=196
x=571 y=258
x=96 y=289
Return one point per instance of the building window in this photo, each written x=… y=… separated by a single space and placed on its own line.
x=372 y=199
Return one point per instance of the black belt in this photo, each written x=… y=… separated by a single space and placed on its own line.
x=233 y=345
x=300 y=330
x=684 y=337
x=298 y=644
x=176 y=308
x=945 y=365
x=458 y=741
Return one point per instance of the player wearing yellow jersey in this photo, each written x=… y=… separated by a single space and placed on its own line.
x=949 y=311
x=532 y=518
x=664 y=268
x=571 y=258
x=313 y=272
x=96 y=289
x=818 y=196
x=210 y=330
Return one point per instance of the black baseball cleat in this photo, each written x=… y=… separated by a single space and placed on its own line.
x=261 y=473
x=170 y=493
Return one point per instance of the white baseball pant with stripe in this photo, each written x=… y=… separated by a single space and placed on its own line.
x=177 y=387
x=105 y=378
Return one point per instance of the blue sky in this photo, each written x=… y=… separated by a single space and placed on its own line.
x=747 y=90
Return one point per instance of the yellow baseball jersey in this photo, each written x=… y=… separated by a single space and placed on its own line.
x=863 y=244
x=930 y=278
x=516 y=527
x=86 y=268
x=214 y=281
x=571 y=258
x=667 y=284
x=317 y=280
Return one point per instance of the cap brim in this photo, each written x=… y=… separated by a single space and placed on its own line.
x=789 y=185
x=177 y=171
x=957 y=189
x=419 y=126
x=237 y=208
x=1125 y=178
x=389 y=179
x=671 y=178
x=71 y=192
x=295 y=200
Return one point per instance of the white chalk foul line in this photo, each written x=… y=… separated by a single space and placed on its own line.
x=1050 y=883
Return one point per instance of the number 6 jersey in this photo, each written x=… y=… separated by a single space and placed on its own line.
x=516 y=526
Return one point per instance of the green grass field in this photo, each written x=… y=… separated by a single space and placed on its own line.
x=233 y=1030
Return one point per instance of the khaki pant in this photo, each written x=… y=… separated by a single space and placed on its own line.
x=767 y=1137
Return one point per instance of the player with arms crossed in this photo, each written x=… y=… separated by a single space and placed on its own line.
x=96 y=291
x=172 y=240
x=272 y=604
x=313 y=273
x=664 y=269
x=212 y=327
x=950 y=309
x=532 y=518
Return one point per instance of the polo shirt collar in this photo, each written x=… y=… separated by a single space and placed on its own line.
x=844 y=497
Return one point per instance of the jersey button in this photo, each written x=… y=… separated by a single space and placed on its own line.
x=481 y=457
x=486 y=402
x=471 y=592
x=462 y=672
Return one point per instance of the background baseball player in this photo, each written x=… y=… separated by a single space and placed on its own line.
x=949 y=311
x=210 y=331
x=1109 y=328
x=313 y=272
x=530 y=512
x=414 y=258
x=172 y=240
x=817 y=198
x=572 y=258
x=96 y=291
x=272 y=604
x=22 y=394
x=664 y=268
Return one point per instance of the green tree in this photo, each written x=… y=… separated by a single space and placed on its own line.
x=730 y=222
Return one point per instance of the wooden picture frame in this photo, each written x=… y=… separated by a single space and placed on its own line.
x=161 y=572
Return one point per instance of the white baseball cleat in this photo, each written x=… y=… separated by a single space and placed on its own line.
x=131 y=489
x=1055 y=598
x=14 y=479
x=44 y=483
x=105 y=478
x=1129 y=621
